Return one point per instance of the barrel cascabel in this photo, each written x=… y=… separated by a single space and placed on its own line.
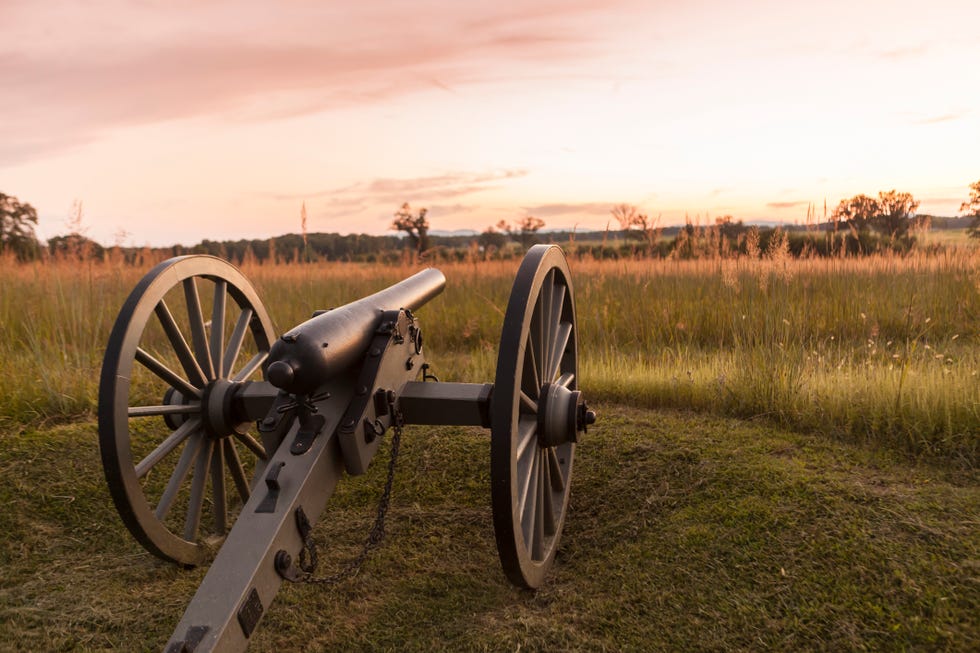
x=304 y=357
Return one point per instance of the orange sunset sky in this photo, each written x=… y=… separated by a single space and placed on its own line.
x=183 y=120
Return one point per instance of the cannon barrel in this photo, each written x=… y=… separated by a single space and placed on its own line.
x=307 y=355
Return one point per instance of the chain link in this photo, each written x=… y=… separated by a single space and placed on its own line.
x=308 y=555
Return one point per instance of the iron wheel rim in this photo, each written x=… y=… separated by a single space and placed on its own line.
x=530 y=484
x=199 y=456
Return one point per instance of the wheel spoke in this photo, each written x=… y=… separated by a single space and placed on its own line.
x=530 y=405
x=177 y=341
x=528 y=491
x=526 y=432
x=250 y=367
x=534 y=342
x=563 y=335
x=558 y=303
x=547 y=504
x=197 y=491
x=234 y=464
x=557 y=478
x=532 y=528
x=542 y=308
x=253 y=445
x=530 y=380
x=198 y=334
x=566 y=379
x=237 y=338
x=218 y=326
x=218 y=489
x=173 y=409
x=187 y=457
x=166 y=374
x=169 y=444
x=545 y=300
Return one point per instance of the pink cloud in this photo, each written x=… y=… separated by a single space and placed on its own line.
x=572 y=209
x=423 y=191
x=121 y=64
x=902 y=53
x=946 y=117
x=786 y=205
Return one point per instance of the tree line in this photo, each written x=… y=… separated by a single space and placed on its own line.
x=858 y=225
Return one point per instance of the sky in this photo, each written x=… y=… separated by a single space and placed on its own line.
x=181 y=120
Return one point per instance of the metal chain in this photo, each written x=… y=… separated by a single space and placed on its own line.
x=308 y=555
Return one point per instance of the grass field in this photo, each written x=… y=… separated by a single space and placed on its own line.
x=786 y=458
x=876 y=350
x=685 y=532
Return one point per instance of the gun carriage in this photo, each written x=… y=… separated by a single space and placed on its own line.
x=230 y=444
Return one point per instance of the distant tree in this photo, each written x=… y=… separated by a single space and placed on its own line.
x=649 y=228
x=17 y=222
x=625 y=215
x=729 y=228
x=527 y=228
x=894 y=215
x=635 y=224
x=75 y=246
x=492 y=238
x=415 y=226
x=523 y=230
x=972 y=207
x=858 y=212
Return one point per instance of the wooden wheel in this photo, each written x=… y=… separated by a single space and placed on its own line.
x=169 y=425
x=536 y=414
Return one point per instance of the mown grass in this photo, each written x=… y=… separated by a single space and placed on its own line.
x=685 y=532
x=881 y=350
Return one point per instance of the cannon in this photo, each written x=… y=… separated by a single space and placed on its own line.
x=222 y=442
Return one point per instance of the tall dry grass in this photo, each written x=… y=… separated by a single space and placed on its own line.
x=878 y=349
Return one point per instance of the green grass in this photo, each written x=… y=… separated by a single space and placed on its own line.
x=685 y=532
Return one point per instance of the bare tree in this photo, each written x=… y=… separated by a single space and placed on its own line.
x=649 y=228
x=625 y=215
x=527 y=228
x=415 y=226
x=635 y=224
x=523 y=230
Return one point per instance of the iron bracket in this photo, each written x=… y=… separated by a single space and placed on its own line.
x=382 y=376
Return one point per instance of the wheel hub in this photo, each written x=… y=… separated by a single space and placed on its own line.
x=562 y=414
x=217 y=411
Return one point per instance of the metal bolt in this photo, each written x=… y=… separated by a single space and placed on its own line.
x=283 y=561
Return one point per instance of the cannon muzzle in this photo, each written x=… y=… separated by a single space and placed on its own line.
x=306 y=356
